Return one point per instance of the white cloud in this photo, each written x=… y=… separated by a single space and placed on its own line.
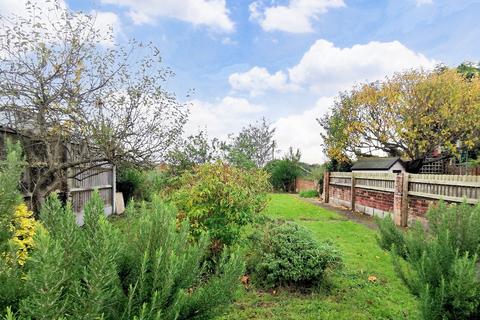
x=222 y=117
x=303 y=131
x=296 y=17
x=211 y=13
x=230 y=114
x=19 y=7
x=326 y=69
x=422 y=2
x=229 y=41
x=12 y=6
x=258 y=80
x=108 y=23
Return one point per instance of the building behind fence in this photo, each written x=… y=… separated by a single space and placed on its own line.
x=406 y=197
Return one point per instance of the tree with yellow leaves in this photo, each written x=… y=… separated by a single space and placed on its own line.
x=408 y=115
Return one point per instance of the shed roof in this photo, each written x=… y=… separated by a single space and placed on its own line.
x=375 y=163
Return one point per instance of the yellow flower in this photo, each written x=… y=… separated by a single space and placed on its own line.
x=23 y=228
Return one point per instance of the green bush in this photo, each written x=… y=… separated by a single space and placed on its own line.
x=462 y=222
x=440 y=264
x=219 y=200
x=286 y=254
x=318 y=173
x=165 y=272
x=130 y=182
x=95 y=272
x=283 y=174
x=138 y=184
x=309 y=194
x=11 y=168
x=390 y=235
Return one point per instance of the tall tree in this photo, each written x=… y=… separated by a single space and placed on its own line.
x=75 y=98
x=253 y=146
x=469 y=69
x=284 y=172
x=194 y=150
x=408 y=115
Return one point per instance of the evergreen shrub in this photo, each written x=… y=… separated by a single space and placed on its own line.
x=439 y=264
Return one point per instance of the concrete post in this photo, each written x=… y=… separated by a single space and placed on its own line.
x=404 y=210
x=114 y=189
x=352 y=193
x=326 y=186
x=400 y=200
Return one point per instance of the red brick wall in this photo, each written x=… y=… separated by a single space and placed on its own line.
x=340 y=192
x=418 y=207
x=374 y=199
x=305 y=184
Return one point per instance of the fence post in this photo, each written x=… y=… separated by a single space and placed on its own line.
x=114 y=189
x=352 y=193
x=326 y=186
x=404 y=212
x=400 y=200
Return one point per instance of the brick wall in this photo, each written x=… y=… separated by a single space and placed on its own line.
x=340 y=195
x=339 y=192
x=302 y=184
x=406 y=197
x=374 y=199
x=418 y=207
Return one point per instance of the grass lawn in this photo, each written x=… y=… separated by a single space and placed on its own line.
x=352 y=295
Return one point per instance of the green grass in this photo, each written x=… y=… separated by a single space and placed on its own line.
x=308 y=194
x=351 y=295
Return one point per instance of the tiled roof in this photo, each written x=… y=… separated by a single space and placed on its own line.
x=375 y=163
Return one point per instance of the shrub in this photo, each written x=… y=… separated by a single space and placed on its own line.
x=10 y=197
x=440 y=264
x=462 y=222
x=283 y=174
x=130 y=182
x=309 y=194
x=390 y=235
x=288 y=255
x=93 y=272
x=11 y=231
x=23 y=226
x=219 y=199
x=165 y=274
x=155 y=182
x=318 y=173
x=137 y=184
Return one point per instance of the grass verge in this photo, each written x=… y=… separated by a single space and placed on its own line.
x=351 y=295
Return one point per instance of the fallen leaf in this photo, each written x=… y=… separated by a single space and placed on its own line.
x=245 y=280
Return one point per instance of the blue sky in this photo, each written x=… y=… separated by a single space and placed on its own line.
x=286 y=60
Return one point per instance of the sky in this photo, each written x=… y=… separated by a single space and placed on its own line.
x=236 y=61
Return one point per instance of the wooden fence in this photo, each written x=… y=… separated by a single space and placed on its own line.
x=405 y=196
x=82 y=184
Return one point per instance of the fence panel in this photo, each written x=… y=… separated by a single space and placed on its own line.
x=405 y=196
x=341 y=178
x=455 y=188
x=83 y=182
x=375 y=181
